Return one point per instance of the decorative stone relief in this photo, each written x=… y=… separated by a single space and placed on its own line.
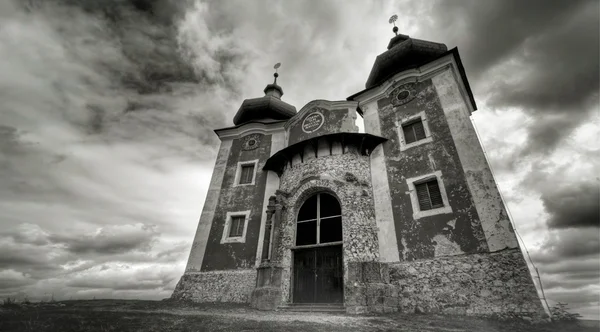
x=251 y=142
x=403 y=94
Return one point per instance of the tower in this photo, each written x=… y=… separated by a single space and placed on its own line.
x=302 y=208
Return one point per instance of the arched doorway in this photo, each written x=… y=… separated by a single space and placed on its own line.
x=318 y=269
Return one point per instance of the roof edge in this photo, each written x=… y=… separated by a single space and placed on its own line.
x=460 y=68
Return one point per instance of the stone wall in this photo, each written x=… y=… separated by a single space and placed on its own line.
x=216 y=286
x=347 y=177
x=477 y=284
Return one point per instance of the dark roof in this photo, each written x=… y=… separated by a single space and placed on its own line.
x=461 y=70
x=403 y=53
x=267 y=107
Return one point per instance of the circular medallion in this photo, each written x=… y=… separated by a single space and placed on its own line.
x=251 y=142
x=402 y=95
x=313 y=122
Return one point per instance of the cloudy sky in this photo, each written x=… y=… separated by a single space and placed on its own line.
x=107 y=110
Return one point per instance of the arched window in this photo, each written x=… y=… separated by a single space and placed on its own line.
x=319 y=221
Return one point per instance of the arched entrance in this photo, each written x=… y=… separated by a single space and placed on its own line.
x=318 y=269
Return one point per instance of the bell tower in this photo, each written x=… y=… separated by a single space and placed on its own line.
x=436 y=201
x=228 y=243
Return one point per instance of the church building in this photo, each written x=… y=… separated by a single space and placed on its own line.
x=303 y=210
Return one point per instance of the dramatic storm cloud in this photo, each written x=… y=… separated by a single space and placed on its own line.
x=108 y=107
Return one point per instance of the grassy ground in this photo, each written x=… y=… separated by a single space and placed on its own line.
x=112 y=315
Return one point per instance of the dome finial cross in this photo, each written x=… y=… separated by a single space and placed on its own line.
x=277 y=65
x=393 y=20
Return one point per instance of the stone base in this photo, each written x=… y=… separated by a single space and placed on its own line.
x=267 y=294
x=491 y=284
x=216 y=286
x=266 y=298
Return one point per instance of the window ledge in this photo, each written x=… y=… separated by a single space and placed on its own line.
x=238 y=239
x=318 y=245
x=432 y=212
x=243 y=184
x=404 y=146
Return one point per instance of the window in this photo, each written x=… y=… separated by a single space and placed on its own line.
x=247 y=174
x=236 y=229
x=413 y=131
x=236 y=224
x=429 y=195
x=319 y=221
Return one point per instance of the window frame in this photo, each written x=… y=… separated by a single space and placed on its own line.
x=417 y=212
x=238 y=173
x=239 y=218
x=408 y=120
x=225 y=238
x=318 y=219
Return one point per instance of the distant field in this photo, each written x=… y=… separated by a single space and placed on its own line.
x=118 y=315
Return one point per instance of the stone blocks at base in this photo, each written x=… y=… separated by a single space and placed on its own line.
x=267 y=294
x=266 y=298
x=216 y=286
x=477 y=284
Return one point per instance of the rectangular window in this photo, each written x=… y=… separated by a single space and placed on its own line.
x=413 y=131
x=429 y=195
x=236 y=229
x=246 y=174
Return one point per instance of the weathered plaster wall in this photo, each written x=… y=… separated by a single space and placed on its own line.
x=346 y=176
x=386 y=229
x=272 y=184
x=476 y=284
x=338 y=117
x=208 y=211
x=225 y=256
x=443 y=234
x=488 y=202
x=216 y=286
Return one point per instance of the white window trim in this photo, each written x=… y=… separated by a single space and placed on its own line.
x=428 y=138
x=238 y=239
x=417 y=213
x=238 y=172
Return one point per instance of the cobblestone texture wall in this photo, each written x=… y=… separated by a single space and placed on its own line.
x=216 y=286
x=478 y=284
x=346 y=176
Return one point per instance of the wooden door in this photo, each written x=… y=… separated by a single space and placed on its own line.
x=318 y=275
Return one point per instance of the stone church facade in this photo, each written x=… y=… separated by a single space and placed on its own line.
x=302 y=208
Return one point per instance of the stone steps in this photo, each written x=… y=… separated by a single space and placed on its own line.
x=314 y=307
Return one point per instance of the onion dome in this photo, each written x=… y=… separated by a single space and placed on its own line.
x=267 y=108
x=403 y=53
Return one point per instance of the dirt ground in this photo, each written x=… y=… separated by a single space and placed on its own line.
x=114 y=315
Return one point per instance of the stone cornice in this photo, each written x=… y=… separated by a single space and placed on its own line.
x=250 y=128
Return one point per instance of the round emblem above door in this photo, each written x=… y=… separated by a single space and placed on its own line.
x=313 y=122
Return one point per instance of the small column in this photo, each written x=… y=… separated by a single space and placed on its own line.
x=268 y=227
x=276 y=228
x=267 y=294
